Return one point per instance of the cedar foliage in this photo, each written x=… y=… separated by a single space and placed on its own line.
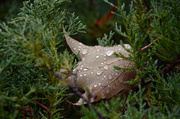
x=33 y=42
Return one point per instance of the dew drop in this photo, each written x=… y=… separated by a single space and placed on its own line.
x=80 y=75
x=99 y=84
x=109 y=52
x=80 y=43
x=106 y=67
x=92 y=72
x=85 y=69
x=95 y=85
x=74 y=48
x=97 y=56
x=99 y=72
x=127 y=46
x=85 y=74
x=110 y=77
x=84 y=51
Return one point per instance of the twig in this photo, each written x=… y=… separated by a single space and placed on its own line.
x=149 y=91
x=147 y=45
x=26 y=110
x=56 y=74
x=87 y=101
x=49 y=113
x=75 y=89
x=148 y=102
x=134 y=104
x=163 y=71
x=170 y=66
x=123 y=107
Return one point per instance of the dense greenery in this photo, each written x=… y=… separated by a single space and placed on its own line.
x=33 y=42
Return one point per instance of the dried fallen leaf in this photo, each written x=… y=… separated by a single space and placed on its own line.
x=96 y=70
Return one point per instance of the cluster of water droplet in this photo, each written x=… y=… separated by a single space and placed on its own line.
x=95 y=70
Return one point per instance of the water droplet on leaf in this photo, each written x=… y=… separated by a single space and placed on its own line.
x=84 y=51
x=109 y=52
x=97 y=56
x=99 y=72
x=106 y=67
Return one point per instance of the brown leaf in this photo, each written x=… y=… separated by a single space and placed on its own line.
x=96 y=70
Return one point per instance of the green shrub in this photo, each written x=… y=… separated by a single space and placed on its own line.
x=32 y=44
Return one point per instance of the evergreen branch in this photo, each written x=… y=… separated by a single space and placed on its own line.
x=32 y=43
x=166 y=69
